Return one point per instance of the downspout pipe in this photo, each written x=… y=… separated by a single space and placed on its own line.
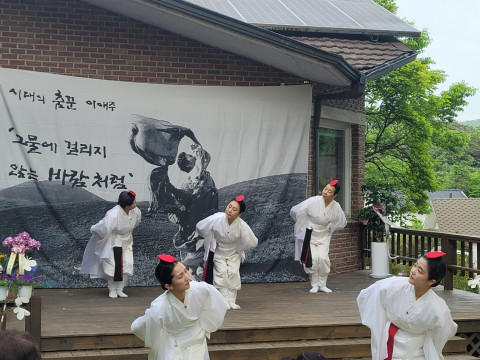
x=356 y=90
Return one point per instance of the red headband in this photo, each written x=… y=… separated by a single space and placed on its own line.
x=239 y=198
x=435 y=254
x=166 y=258
x=132 y=193
x=333 y=182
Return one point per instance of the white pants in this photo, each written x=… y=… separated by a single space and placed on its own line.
x=109 y=263
x=226 y=275
x=226 y=272
x=117 y=285
x=319 y=248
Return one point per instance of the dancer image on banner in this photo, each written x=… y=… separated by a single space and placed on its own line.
x=227 y=237
x=178 y=322
x=316 y=219
x=109 y=252
x=157 y=141
x=407 y=319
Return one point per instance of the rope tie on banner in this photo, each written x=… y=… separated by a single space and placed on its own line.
x=21 y=260
x=11 y=262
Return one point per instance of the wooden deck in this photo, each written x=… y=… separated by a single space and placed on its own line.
x=74 y=319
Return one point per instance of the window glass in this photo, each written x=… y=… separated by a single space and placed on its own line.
x=331 y=160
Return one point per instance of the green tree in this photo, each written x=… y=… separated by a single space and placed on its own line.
x=406 y=118
x=460 y=169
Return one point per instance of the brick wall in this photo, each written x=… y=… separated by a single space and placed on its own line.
x=77 y=39
x=345 y=249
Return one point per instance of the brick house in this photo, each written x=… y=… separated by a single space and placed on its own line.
x=178 y=42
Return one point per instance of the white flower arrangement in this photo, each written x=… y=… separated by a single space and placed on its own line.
x=475 y=282
x=16 y=270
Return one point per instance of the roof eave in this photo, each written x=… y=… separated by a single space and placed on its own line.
x=246 y=40
x=384 y=69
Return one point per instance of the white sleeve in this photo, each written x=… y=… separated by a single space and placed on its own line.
x=248 y=238
x=105 y=226
x=214 y=307
x=373 y=314
x=98 y=245
x=340 y=220
x=138 y=215
x=150 y=329
x=299 y=214
x=444 y=329
x=205 y=230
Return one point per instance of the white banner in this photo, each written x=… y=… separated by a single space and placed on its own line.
x=95 y=138
x=54 y=124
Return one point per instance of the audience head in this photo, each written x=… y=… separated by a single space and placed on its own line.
x=18 y=345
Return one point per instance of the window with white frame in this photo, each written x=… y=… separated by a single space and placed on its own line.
x=334 y=160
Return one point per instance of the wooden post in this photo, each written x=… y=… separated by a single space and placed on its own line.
x=33 y=323
x=363 y=232
x=3 y=316
x=449 y=247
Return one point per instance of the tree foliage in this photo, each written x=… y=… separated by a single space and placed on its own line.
x=406 y=117
x=460 y=169
x=384 y=198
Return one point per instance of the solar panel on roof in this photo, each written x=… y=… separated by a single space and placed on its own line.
x=349 y=16
x=221 y=7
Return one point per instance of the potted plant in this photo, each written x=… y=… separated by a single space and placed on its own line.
x=24 y=284
x=17 y=272
x=4 y=283
x=4 y=288
x=383 y=198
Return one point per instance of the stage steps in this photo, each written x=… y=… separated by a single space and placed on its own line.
x=351 y=342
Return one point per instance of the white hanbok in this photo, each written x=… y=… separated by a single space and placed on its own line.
x=179 y=330
x=324 y=221
x=424 y=325
x=228 y=242
x=115 y=229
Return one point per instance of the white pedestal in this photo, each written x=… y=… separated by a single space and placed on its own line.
x=380 y=263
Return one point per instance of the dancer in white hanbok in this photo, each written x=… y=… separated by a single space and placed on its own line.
x=316 y=219
x=178 y=322
x=407 y=319
x=109 y=252
x=227 y=237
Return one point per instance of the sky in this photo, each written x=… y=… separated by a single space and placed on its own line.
x=455 y=33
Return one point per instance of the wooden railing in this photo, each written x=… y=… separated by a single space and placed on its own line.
x=33 y=323
x=408 y=245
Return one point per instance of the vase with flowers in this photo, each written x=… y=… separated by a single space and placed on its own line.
x=381 y=198
x=17 y=271
x=24 y=284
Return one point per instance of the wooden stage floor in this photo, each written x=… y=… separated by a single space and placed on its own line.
x=73 y=312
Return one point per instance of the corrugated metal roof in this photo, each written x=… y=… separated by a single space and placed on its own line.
x=447 y=194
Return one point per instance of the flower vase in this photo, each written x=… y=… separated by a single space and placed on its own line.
x=25 y=291
x=3 y=292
